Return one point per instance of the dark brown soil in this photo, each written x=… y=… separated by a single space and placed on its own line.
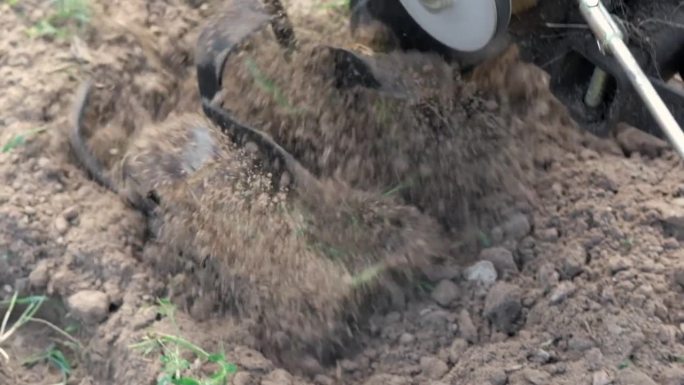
x=406 y=140
x=585 y=240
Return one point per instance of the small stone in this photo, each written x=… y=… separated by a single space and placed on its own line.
x=630 y=376
x=40 y=275
x=618 y=264
x=251 y=359
x=43 y=162
x=601 y=378
x=661 y=311
x=517 y=226
x=530 y=298
x=540 y=356
x=498 y=377
x=407 y=339
x=574 y=259
x=71 y=213
x=605 y=182
x=457 y=348
x=667 y=335
x=632 y=140
x=557 y=369
x=445 y=293
x=646 y=289
x=433 y=367
x=242 y=378
x=564 y=290
x=482 y=272
x=503 y=307
x=580 y=344
x=547 y=235
x=91 y=306
x=467 y=327
x=547 y=276
x=277 y=377
x=502 y=260
x=61 y=225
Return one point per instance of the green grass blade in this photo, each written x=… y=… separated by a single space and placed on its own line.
x=5 y=319
x=56 y=358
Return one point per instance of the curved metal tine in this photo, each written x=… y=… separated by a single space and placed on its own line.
x=351 y=70
x=220 y=37
x=282 y=27
x=277 y=156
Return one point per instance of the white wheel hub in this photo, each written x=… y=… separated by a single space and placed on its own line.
x=462 y=25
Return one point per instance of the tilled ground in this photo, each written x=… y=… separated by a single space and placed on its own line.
x=582 y=283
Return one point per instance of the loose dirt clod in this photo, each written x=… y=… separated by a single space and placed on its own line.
x=482 y=272
x=503 y=307
x=501 y=258
x=445 y=293
x=89 y=305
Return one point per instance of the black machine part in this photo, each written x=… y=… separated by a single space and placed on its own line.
x=554 y=36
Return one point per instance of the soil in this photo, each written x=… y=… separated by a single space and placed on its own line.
x=576 y=277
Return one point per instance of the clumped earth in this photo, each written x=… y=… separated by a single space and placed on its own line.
x=577 y=277
x=405 y=139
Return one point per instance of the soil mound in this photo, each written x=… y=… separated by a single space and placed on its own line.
x=426 y=134
x=301 y=264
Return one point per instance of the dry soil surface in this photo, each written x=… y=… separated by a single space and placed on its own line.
x=582 y=282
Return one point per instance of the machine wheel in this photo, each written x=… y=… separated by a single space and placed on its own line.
x=412 y=36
